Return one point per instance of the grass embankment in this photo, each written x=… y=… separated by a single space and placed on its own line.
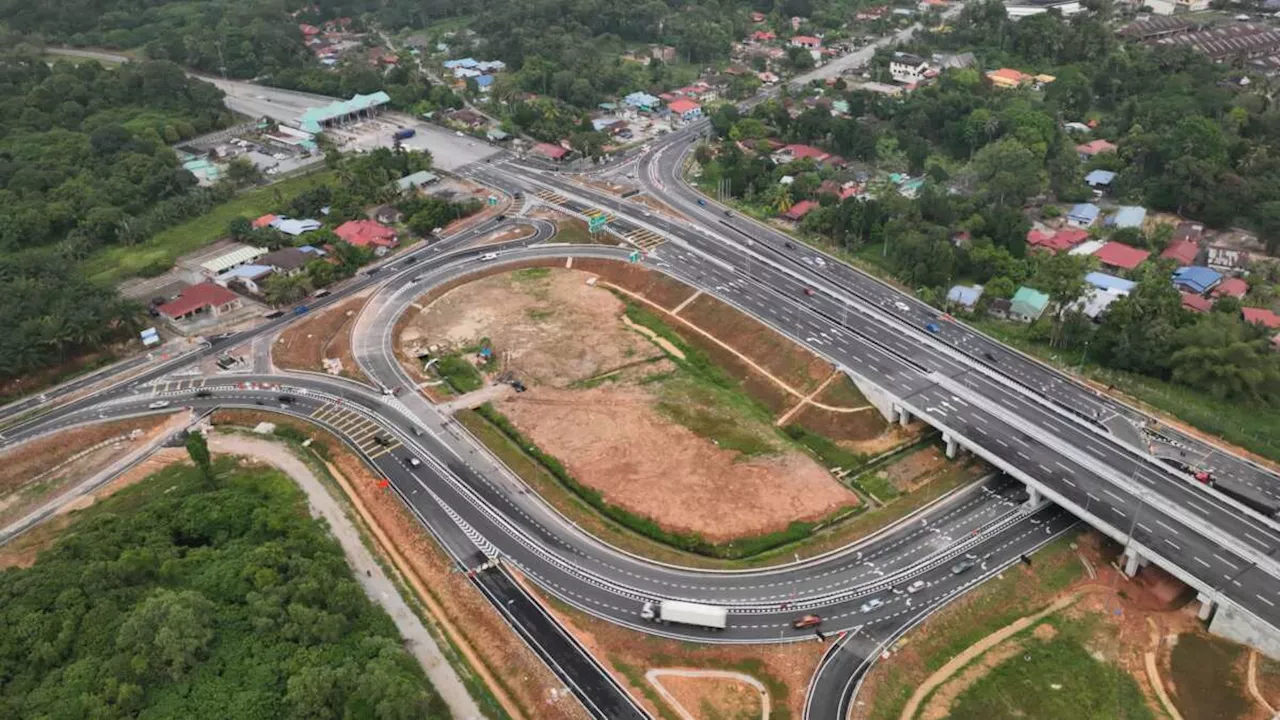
x=111 y=265
x=1054 y=678
x=1252 y=427
x=1018 y=592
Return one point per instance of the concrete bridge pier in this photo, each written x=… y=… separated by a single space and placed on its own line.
x=1206 y=606
x=904 y=416
x=1133 y=560
x=1034 y=498
x=953 y=446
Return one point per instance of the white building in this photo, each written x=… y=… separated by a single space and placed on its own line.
x=907 y=69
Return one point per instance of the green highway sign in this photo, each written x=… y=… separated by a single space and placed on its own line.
x=635 y=256
x=597 y=223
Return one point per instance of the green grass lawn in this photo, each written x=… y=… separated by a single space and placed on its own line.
x=1058 y=678
x=111 y=265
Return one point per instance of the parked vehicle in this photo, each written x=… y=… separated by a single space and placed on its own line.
x=806 y=621
x=404 y=134
x=686 y=613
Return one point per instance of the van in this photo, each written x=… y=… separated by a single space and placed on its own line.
x=489 y=256
x=320 y=293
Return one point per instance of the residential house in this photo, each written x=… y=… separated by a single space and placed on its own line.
x=469 y=118
x=264 y=221
x=955 y=61
x=1055 y=241
x=1226 y=257
x=767 y=78
x=1196 y=303
x=1095 y=301
x=387 y=214
x=763 y=36
x=1110 y=283
x=665 y=53
x=1120 y=256
x=872 y=13
x=287 y=261
x=1196 y=279
x=1128 y=216
x=1183 y=252
x=368 y=233
x=1027 y=8
x=550 y=151
x=1188 y=231
x=906 y=68
x=248 y=277
x=1232 y=287
x=1028 y=305
x=1083 y=215
x=1088 y=247
x=965 y=296
x=806 y=41
x=234 y=257
x=1261 y=316
x=685 y=109
x=799 y=210
x=206 y=299
x=1100 y=180
x=414 y=181
x=484 y=83
x=642 y=101
x=1008 y=78
x=1001 y=308
x=791 y=153
x=295 y=227
x=1094 y=147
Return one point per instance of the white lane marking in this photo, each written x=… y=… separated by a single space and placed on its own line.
x=1166 y=527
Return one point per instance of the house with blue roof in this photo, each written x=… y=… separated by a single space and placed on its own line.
x=484 y=82
x=1103 y=281
x=966 y=296
x=1100 y=179
x=1196 y=279
x=460 y=63
x=642 y=101
x=1128 y=216
x=1083 y=215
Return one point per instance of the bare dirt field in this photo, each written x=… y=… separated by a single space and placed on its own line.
x=784 y=669
x=518 y=672
x=714 y=698
x=562 y=335
x=615 y=440
x=325 y=335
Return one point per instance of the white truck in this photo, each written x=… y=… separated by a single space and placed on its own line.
x=675 y=611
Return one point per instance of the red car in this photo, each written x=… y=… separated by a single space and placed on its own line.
x=808 y=291
x=806 y=621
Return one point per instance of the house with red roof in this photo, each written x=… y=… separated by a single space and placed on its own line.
x=761 y=36
x=790 y=153
x=1231 y=287
x=1121 y=256
x=1056 y=241
x=368 y=233
x=1260 y=316
x=799 y=210
x=264 y=221
x=203 y=300
x=550 y=151
x=1196 y=303
x=1094 y=147
x=308 y=31
x=806 y=41
x=685 y=109
x=1182 y=252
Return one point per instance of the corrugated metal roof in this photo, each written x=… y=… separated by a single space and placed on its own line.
x=239 y=256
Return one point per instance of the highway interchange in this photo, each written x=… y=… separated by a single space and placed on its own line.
x=1085 y=451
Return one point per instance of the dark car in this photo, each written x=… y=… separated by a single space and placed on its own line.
x=203 y=393
x=286 y=399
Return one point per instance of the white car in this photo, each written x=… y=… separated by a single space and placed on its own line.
x=902 y=306
x=158 y=404
x=915 y=587
x=414 y=462
x=870 y=605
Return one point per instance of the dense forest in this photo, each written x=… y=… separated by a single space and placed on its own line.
x=182 y=597
x=1191 y=139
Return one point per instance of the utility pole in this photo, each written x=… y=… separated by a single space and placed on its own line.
x=222 y=63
